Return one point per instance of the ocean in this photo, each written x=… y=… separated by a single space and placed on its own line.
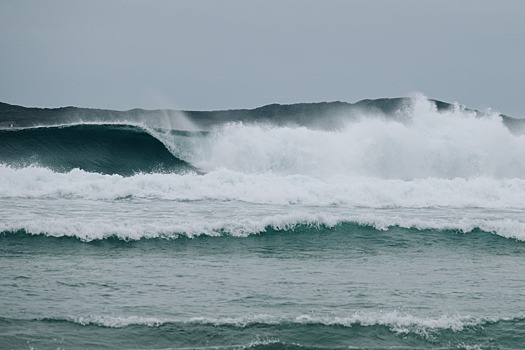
x=380 y=225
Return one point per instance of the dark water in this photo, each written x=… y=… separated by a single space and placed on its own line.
x=106 y=149
x=403 y=231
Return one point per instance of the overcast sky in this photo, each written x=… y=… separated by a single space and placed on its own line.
x=201 y=55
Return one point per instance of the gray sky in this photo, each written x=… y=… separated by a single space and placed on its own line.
x=203 y=55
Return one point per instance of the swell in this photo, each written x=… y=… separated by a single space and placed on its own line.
x=101 y=148
x=301 y=332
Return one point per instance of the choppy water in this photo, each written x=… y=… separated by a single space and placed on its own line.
x=401 y=232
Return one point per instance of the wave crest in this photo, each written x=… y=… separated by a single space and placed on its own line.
x=395 y=320
x=138 y=229
x=415 y=142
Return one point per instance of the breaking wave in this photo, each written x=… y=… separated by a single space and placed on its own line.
x=359 y=331
x=414 y=142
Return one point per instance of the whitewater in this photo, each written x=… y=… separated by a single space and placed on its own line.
x=371 y=228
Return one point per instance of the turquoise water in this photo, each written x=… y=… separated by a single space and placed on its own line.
x=309 y=287
x=382 y=234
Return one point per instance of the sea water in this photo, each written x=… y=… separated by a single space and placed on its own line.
x=378 y=233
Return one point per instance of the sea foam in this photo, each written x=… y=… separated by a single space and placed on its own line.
x=420 y=158
x=417 y=142
x=267 y=188
x=98 y=226
x=395 y=320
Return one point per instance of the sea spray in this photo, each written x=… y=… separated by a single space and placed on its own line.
x=424 y=143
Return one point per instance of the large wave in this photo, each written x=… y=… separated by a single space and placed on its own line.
x=101 y=148
x=413 y=142
x=418 y=142
x=417 y=157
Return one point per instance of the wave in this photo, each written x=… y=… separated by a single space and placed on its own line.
x=422 y=142
x=266 y=188
x=358 y=331
x=416 y=141
x=90 y=229
x=395 y=320
x=101 y=148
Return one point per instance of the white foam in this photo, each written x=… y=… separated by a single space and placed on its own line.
x=118 y=322
x=415 y=143
x=132 y=225
x=267 y=188
x=424 y=159
x=395 y=320
x=418 y=142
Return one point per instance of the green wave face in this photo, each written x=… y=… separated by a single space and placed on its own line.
x=106 y=149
